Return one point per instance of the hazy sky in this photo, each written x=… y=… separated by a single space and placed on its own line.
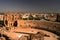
x=32 y=5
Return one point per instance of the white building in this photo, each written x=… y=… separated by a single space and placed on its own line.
x=1 y=16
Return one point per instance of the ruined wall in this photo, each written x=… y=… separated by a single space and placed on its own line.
x=11 y=18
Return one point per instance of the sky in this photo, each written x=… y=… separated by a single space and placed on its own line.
x=30 y=5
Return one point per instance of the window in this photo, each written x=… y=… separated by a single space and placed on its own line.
x=6 y=22
x=15 y=24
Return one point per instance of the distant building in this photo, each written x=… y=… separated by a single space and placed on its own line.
x=1 y=16
x=27 y=17
x=50 y=17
